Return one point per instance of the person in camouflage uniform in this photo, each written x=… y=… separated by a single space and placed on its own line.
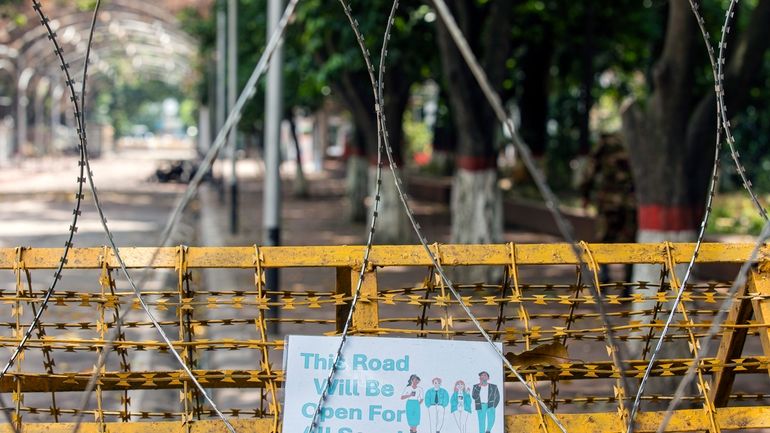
x=609 y=184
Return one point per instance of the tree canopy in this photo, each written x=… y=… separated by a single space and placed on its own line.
x=566 y=67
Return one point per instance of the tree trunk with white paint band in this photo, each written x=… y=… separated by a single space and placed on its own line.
x=356 y=185
x=393 y=226
x=671 y=349
x=477 y=217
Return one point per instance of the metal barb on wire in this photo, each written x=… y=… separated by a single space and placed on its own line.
x=233 y=117
x=375 y=207
x=80 y=118
x=722 y=107
x=549 y=198
x=249 y=90
x=45 y=22
x=722 y=123
x=713 y=183
x=382 y=122
x=715 y=327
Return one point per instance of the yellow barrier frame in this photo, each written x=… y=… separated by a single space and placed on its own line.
x=347 y=259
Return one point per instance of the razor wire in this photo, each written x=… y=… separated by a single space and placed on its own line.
x=170 y=226
x=722 y=123
x=739 y=281
x=76 y=213
x=80 y=115
x=713 y=183
x=375 y=213
x=379 y=102
x=232 y=120
x=722 y=107
x=378 y=184
x=549 y=198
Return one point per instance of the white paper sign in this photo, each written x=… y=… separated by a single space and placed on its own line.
x=394 y=385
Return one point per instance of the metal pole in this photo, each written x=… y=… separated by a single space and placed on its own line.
x=221 y=82
x=204 y=129
x=271 y=220
x=56 y=95
x=232 y=87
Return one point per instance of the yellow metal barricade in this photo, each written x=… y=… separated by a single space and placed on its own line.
x=227 y=332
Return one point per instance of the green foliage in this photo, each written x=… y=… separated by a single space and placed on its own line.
x=86 y=5
x=319 y=47
x=751 y=128
x=417 y=137
x=321 y=52
x=734 y=214
x=138 y=102
x=12 y=10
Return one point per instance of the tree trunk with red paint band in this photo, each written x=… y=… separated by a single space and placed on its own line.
x=393 y=226
x=656 y=217
x=356 y=93
x=476 y=203
x=671 y=137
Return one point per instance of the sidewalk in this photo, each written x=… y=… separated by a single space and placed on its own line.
x=320 y=220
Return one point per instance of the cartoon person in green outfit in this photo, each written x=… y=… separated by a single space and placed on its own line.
x=413 y=395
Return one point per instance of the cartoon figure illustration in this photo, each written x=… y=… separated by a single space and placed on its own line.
x=486 y=397
x=414 y=397
x=436 y=399
x=460 y=405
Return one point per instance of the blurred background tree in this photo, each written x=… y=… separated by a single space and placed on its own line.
x=564 y=71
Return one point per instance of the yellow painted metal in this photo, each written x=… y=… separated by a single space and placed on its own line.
x=694 y=344
x=731 y=345
x=685 y=420
x=382 y=255
x=524 y=319
x=688 y=420
x=366 y=316
x=205 y=426
x=759 y=285
x=522 y=313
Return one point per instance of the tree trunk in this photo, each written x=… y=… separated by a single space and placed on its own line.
x=357 y=177
x=357 y=95
x=671 y=142
x=393 y=226
x=320 y=138
x=536 y=65
x=663 y=166
x=356 y=187
x=476 y=200
x=300 y=183
x=477 y=216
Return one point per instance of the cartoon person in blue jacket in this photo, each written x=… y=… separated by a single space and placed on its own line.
x=460 y=405
x=436 y=399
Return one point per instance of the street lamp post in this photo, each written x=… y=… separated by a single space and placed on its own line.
x=271 y=220
x=232 y=87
